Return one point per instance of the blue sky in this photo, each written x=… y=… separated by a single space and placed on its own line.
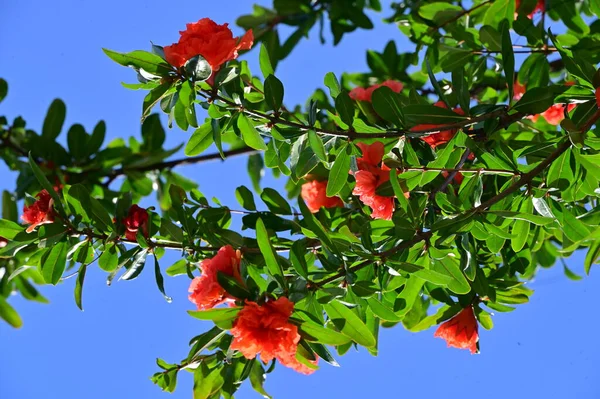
x=547 y=348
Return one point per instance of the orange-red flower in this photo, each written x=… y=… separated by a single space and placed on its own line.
x=461 y=330
x=370 y=176
x=266 y=330
x=3 y=242
x=40 y=212
x=212 y=41
x=518 y=90
x=205 y=291
x=555 y=114
x=365 y=94
x=442 y=137
x=137 y=218
x=314 y=194
x=539 y=7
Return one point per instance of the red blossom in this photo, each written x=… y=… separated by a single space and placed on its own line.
x=461 y=331
x=370 y=176
x=518 y=90
x=3 y=242
x=266 y=330
x=205 y=291
x=136 y=219
x=555 y=114
x=458 y=177
x=442 y=137
x=314 y=194
x=40 y=212
x=212 y=41
x=365 y=94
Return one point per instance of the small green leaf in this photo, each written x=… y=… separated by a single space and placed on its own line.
x=508 y=59
x=55 y=118
x=317 y=145
x=3 y=89
x=109 y=259
x=311 y=331
x=592 y=256
x=160 y=281
x=232 y=286
x=264 y=243
x=275 y=202
x=273 y=92
x=387 y=105
x=249 y=133
x=201 y=139
x=349 y=324
x=54 y=263
x=9 y=314
x=338 y=175
x=39 y=175
x=9 y=229
x=79 y=285
x=216 y=315
x=149 y=62
x=245 y=198
x=332 y=84
x=265 y=61
x=345 y=108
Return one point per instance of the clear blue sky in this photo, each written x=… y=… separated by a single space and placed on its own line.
x=546 y=349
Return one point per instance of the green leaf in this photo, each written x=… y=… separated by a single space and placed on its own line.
x=498 y=11
x=430 y=114
x=317 y=145
x=538 y=99
x=450 y=266
x=77 y=139
x=273 y=92
x=201 y=139
x=249 y=133
x=257 y=378
x=216 y=315
x=592 y=256
x=160 y=281
x=298 y=259
x=79 y=285
x=332 y=84
x=491 y=38
x=149 y=62
x=345 y=108
x=153 y=97
x=4 y=89
x=387 y=104
x=245 y=198
x=9 y=314
x=338 y=176
x=275 y=202
x=508 y=59
x=265 y=61
x=109 y=259
x=435 y=84
x=135 y=265
x=55 y=118
x=9 y=229
x=570 y=274
x=535 y=219
x=267 y=251
x=455 y=58
x=232 y=286
x=9 y=207
x=255 y=170
x=311 y=331
x=382 y=311
x=349 y=324
x=54 y=263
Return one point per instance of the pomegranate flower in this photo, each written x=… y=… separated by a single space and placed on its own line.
x=212 y=41
x=365 y=94
x=205 y=291
x=555 y=114
x=314 y=194
x=266 y=330
x=370 y=176
x=40 y=212
x=136 y=219
x=460 y=331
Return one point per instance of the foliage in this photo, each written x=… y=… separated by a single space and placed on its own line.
x=419 y=211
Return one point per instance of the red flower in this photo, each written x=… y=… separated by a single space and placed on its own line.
x=539 y=7
x=266 y=330
x=3 y=242
x=461 y=331
x=205 y=291
x=442 y=137
x=136 y=219
x=370 y=176
x=555 y=114
x=518 y=90
x=314 y=194
x=40 y=212
x=362 y=94
x=214 y=42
